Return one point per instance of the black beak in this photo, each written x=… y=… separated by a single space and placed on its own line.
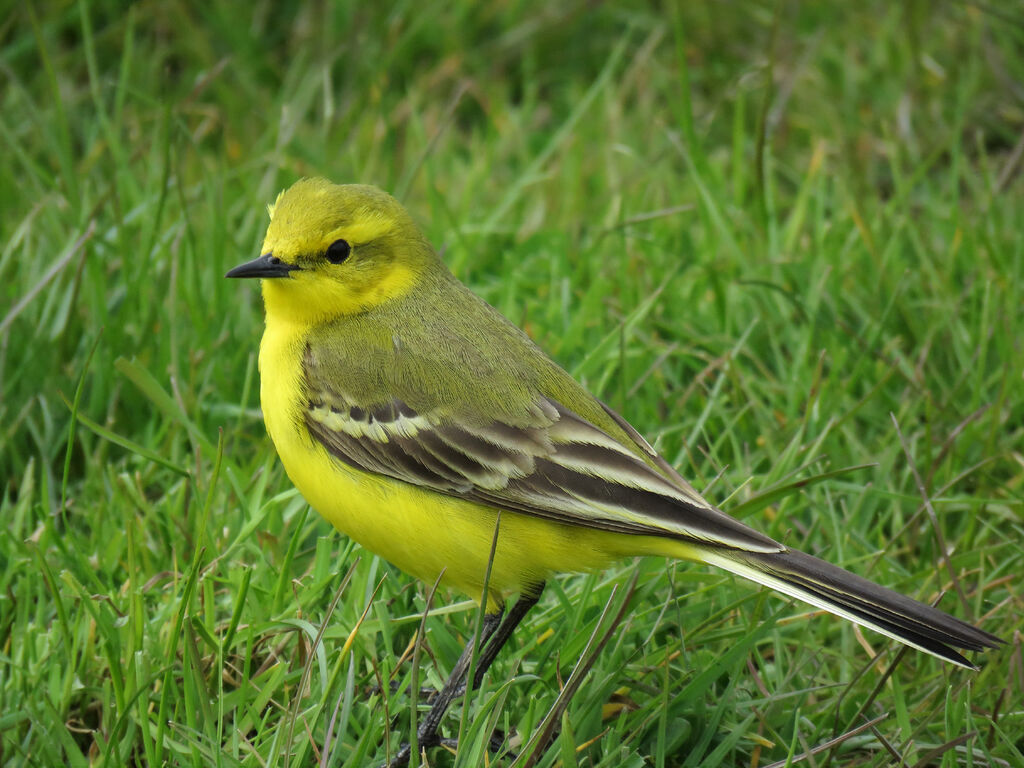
x=267 y=265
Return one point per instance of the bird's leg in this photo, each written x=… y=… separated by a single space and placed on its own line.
x=496 y=632
x=498 y=635
x=427 y=730
x=490 y=652
x=426 y=734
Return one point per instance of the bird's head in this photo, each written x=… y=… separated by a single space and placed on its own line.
x=336 y=249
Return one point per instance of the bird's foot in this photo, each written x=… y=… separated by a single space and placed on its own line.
x=426 y=741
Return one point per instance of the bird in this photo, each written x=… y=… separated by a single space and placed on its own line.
x=422 y=423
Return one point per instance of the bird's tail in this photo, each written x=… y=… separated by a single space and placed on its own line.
x=845 y=594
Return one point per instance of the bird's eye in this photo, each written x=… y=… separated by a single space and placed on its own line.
x=338 y=251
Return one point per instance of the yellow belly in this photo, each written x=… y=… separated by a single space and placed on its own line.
x=421 y=531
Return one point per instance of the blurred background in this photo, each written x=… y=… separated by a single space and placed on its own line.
x=783 y=239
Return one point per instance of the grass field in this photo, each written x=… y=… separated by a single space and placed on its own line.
x=784 y=240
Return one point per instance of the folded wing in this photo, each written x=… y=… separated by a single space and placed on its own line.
x=552 y=464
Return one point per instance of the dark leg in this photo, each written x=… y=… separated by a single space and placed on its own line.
x=444 y=697
x=495 y=634
x=490 y=652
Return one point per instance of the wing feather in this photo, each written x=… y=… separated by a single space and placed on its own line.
x=552 y=464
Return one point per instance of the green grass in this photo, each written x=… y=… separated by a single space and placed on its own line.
x=782 y=239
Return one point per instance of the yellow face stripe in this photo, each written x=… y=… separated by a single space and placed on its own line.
x=292 y=300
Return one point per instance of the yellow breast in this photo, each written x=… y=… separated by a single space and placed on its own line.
x=423 y=532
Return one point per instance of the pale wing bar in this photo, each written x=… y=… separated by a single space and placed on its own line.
x=562 y=468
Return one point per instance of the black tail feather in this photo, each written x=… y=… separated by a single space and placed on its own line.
x=864 y=602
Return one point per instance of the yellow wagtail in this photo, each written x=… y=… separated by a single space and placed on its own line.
x=410 y=413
